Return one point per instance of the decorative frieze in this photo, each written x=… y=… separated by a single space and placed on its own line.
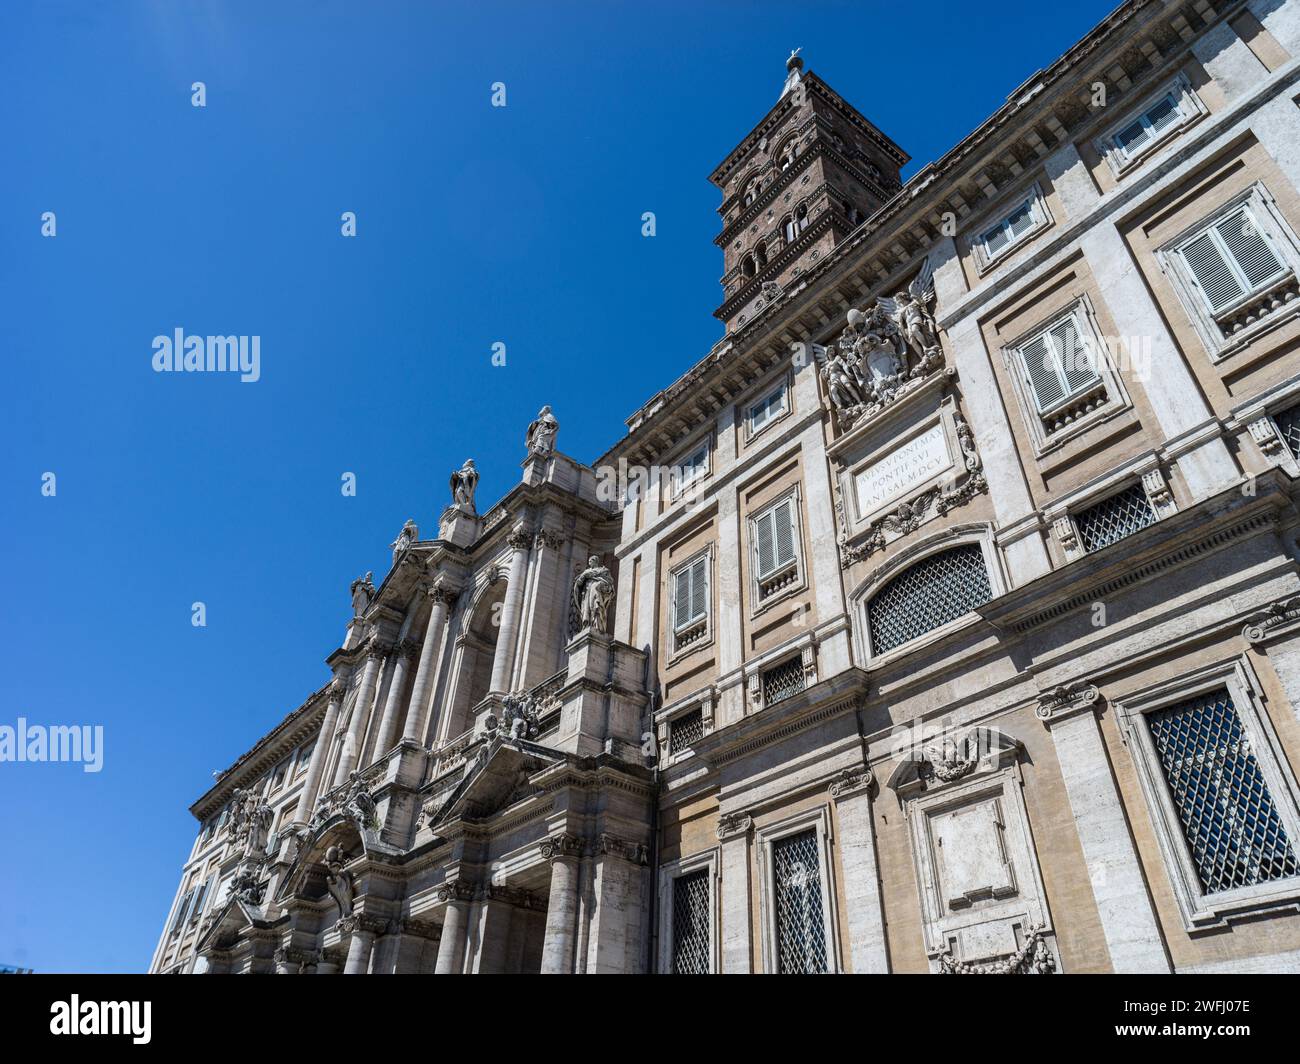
x=1033 y=958
x=614 y=846
x=549 y=538
x=520 y=537
x=1265 y=435
x=456 y=890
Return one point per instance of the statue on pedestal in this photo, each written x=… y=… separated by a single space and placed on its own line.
x=540 y=438
x=363 y=593
x=593 y=590
x=464 y=482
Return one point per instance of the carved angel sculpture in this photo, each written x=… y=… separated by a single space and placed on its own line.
x=912 y=312
x=592 y=592
x=540 y=438
x=464 y=482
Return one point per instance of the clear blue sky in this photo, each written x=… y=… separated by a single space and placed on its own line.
x=475 y=225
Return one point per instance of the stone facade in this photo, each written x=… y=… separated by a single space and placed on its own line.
x=945 y=617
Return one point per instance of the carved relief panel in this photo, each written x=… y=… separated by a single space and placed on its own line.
x=983 y=906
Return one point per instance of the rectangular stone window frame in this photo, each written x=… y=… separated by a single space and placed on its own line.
x=698 y=458
x=1281 y=240
x=695 y=639
x=798 y=581
x=669 y=873
x=1190 y=109
x=705 y=701
x=1040 y=218
x=765 y=838
x=764 y=400
x=1060 y=515
x=1198 y=909
x=1116 y=401
x=804 y=648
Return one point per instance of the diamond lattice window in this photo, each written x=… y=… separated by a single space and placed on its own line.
x=685 y=731
x=1114 y=518
x=931 y=593
x=1288 y=426
x=691 y=924
x=782 y=681
x=1227 y=813
x=800 y=924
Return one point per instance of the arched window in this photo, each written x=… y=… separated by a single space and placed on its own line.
x=475 y=650
x=788 y=230
x=801 y=218
x=762 y=256
x=751 y=192
x=789 y=151
x=747 y=266
x=937 y=589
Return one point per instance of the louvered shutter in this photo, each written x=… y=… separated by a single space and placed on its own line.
x=1212 y=274
x=699 y=588
x=1131 y=138
x=1162 y=115
x=1074 y=358
x=1021 y=220
x=1248 y=248
x=765 y=543
x=1041 y=370
x=995 y=240
x=783 y=521
x=682 y=599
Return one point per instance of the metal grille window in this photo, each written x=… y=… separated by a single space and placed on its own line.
x=931 y=593
x=685 y=731
x=1288 y=427
x=691 y=931
x=1223 y=803
x=782 y=681
x=1114 y=518
x=800 y=922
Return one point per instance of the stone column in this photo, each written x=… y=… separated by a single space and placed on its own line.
x=520 y=540
x=851 y=792
x=733 y=881
x=393 y=705
x=359 y=947
x=563 y=851
x=455 y=924
x=285 y=964
x=1128 y=919
x=375 y=653
x=320 y=752
x=441 y=598
x=543 y=642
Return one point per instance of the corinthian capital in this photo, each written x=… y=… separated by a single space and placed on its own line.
x=563 y=845
x=440 y=590
x=521 y=537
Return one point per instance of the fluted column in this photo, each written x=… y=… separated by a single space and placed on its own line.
x=320 y=752
x=455 y=922
x=393 y=704
x=520 y=540
x=442 y=597
x=563 y=851
x=375 y=653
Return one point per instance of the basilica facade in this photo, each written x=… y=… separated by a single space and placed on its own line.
x=944 y=617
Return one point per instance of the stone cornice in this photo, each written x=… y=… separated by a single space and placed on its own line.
x=1202 y=529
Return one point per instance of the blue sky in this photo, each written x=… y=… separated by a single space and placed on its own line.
x=474 y=225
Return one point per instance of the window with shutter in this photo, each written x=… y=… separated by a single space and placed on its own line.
x=1059 y=365
x=1024 y=220
x=1149 y=128
x=1232 y=260
x=691 y=468
x=691 y=601
x=766 y=410
x=776 y=553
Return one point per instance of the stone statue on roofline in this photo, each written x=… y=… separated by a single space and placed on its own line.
x=540 y=437
x=464 y=482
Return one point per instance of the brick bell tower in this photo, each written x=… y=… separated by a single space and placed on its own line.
x=804 y=178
